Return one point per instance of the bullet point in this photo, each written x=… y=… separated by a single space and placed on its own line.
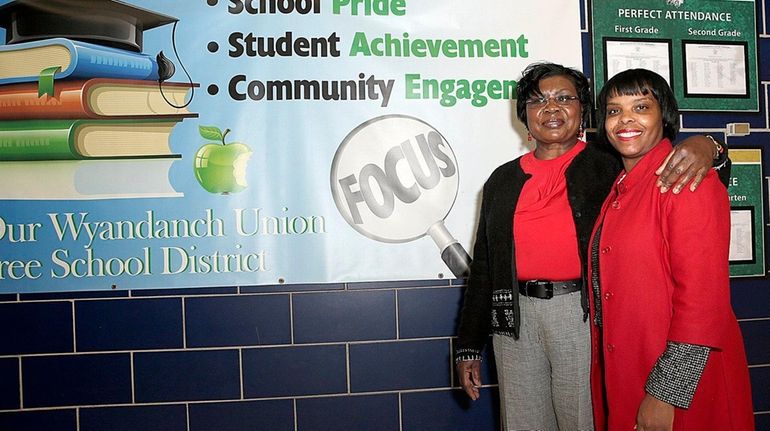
x=212 y=2
x=213 y=89
x=213 y=47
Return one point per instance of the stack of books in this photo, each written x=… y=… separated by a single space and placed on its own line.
x=85 y=121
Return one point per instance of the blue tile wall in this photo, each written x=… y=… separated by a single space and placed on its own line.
x=144 y=418
x=285 y=371
x=760 y=382
x=450 y=410
x=186 y=375
x=128 y=325
x=10 y=389
x=762 y=421
x=303 y=357
x=399 y=365
x=763 y=46
x=36 y=328
x=415 y=304
x=746 y=297
x=366 y=412
x=73 y=380
x=587 y=45
x=344 y=316
x=756 y=336
x=237 y=320
x=273 y=415
x=39 y=420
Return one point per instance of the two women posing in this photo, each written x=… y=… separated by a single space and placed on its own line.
x=666 y=352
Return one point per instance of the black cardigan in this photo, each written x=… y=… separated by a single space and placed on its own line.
x=491 y=300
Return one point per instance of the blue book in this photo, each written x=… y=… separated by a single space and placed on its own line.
x=24 y=62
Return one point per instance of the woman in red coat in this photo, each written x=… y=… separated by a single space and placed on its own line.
x=667 y=350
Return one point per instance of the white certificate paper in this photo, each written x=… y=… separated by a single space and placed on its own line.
x=633 y=54
x=715 y=69
x=741 y=235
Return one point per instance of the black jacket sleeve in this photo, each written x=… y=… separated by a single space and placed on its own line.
x=474 y=328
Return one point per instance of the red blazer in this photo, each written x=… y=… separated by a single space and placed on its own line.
x=663 y=267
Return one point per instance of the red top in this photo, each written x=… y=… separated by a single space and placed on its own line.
x=663 y=268
x=543 y=230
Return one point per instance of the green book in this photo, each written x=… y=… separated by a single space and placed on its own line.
x=85 y=139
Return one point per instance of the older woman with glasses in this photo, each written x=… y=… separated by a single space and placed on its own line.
x=528 y=276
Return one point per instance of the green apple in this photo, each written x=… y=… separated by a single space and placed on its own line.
x=221 y=167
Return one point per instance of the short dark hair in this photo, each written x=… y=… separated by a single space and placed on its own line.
x=529 y=86
x=639 y=82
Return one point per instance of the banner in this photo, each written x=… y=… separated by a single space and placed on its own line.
x=324 y=140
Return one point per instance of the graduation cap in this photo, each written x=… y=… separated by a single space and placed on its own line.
x=104 y=22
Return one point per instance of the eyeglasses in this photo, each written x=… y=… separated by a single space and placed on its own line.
x=561 y=100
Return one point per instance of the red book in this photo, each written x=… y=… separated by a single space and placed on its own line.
x=95 y=98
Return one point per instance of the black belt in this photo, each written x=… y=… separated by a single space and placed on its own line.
x=545 y=289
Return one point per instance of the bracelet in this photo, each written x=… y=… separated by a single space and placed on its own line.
x=718 y=148
x=462 y=355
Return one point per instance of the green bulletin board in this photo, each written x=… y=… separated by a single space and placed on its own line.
x=706 y=49
x=747 y=248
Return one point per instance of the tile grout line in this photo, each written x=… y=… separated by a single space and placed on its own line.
x=21 y=386
x=291 y=318
x=133 y=380
x=296 y=421
x=754 y=319
x=451 y=363
x=229 y=347
x=347 y=366
x=767 y=107
x=247 y=400
x=74 y=328
x=240 y=367
x=184 y=323
x=398 y=326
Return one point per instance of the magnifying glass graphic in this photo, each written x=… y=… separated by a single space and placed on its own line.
x=394 y=179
